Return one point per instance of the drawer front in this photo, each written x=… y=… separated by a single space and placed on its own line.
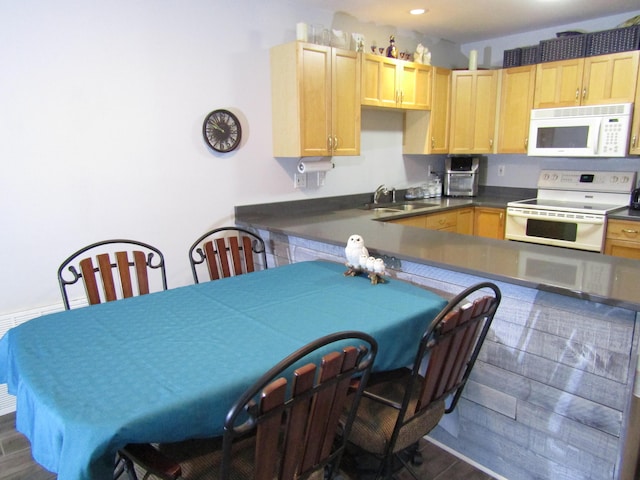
x=441 y=221
x=623 y=230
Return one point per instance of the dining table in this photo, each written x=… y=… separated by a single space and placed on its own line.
x=168 y=366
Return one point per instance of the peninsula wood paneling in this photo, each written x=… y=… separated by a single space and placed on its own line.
x=548 y=396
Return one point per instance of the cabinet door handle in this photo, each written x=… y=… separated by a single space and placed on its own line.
x=628 y=230
x=633 y=141
x=526 y=143
x=433 y=142
x=330 y=143
x=491 y=142
x=584 y=93
x=577 y=93
x=335 y=143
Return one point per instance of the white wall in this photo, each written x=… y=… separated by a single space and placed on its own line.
x=101 y=110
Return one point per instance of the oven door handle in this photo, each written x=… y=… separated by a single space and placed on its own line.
x=591 y=221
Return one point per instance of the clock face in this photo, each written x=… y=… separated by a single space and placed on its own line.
x=222 y=131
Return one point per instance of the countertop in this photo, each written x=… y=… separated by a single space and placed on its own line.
x=586 y=275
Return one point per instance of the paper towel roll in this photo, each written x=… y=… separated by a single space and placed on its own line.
x=473 y=60
x=319 y=166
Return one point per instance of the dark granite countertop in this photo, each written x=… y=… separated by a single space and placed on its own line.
x=586 y=275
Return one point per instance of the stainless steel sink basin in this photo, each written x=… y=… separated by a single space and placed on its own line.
x=398 y=206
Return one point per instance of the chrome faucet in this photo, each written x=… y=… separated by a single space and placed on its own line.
x=381 y=190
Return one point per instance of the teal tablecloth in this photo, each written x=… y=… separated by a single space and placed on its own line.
x=168 y=366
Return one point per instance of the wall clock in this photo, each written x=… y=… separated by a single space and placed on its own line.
x=222 y=131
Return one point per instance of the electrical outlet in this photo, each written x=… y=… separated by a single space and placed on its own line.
x=299 y=180
x=501 y=170
x=321 y=178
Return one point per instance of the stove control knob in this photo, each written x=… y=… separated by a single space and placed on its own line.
x=614 y=179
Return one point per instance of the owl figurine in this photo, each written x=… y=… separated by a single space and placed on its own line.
x=353 y=251
x=377 y=271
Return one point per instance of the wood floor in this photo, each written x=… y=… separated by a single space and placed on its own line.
x=16 y=462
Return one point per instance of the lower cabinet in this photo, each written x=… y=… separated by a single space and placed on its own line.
x=623 y=239
x=489 y=222
x=459 y=220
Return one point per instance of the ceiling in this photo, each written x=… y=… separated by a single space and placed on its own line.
x=466 y=21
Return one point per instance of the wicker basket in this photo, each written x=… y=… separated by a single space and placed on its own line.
x=613 y=41
x=530 y=55
x=563 y=48
x=512 y=58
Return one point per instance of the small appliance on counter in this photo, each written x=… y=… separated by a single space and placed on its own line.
x=461 y=176
x=635 y=199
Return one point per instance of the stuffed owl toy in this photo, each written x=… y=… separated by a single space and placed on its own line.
x=354 y=250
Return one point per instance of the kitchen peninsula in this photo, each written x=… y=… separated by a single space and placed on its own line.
x=549 y=397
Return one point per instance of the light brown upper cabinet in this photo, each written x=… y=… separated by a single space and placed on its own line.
x=315 y=92
x=473 y=111
x=391 y=83
x=587 y=81
x=427 y=132
x=634 y=147
x=516 y=101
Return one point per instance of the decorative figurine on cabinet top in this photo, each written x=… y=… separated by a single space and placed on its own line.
x=392 y=51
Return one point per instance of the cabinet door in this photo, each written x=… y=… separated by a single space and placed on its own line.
x=379 y=81
x=415 y=93
x=473 y=111
x=634 y=148
x=516 y=102
x=610 y=78
x=314 y=64
x=440 y=111
x=488 y=222
x=345 y=104
x=427 y=132
x=465 y=221
x=558 y=84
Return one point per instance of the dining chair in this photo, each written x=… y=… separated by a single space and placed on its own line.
x=285 y=426
x=226 y=252
x=399 y=407
x=130 y=260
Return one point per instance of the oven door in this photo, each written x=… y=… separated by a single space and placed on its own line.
x=582 y=231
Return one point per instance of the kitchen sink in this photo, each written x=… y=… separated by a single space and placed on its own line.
x=399 y=206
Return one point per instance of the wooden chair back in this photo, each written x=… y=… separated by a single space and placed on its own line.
x=112 y=269
x=226 y=252
x=297 y=420
x=452 y=344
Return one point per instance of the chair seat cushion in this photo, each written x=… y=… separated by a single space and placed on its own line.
x=375 y=422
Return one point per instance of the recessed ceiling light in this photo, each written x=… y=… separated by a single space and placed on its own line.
x=417 y=11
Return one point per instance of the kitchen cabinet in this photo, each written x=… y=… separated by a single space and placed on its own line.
x=427 y=132
x=623 y=239
x=459 y=220
x=594 y=80
x=473 y=111
x=634 y=147
x=391 y=83
x=489 y=222
x=517 y=87
x=315 y=93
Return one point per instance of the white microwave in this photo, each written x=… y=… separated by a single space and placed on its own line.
x=586 y=131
